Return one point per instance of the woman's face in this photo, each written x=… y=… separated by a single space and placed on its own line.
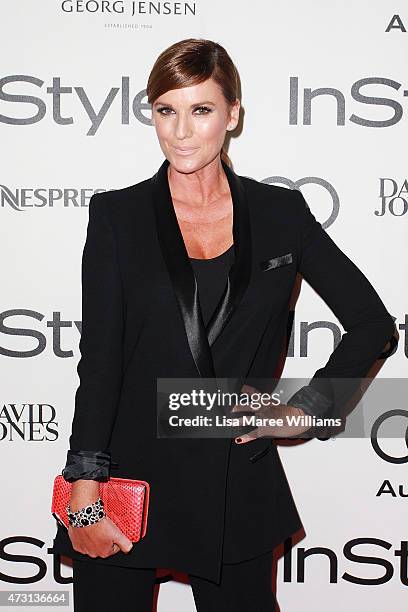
x=191 y=123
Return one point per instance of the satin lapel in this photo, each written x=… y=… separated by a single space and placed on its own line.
x=182 y=275
x=240 y=272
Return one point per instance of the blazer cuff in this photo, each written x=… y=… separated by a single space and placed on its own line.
x=311 y=401
x=87 y=465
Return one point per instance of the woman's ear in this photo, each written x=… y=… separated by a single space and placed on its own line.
x=234 y=115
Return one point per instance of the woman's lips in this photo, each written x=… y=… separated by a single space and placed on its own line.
x=184 y=151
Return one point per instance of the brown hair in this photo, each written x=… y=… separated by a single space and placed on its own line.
x=190 y=62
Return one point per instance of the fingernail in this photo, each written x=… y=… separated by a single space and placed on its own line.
x=238 y=440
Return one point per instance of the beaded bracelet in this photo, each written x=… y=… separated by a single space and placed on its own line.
x=88 y=515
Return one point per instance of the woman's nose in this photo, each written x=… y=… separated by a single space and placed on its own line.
x=184 y=128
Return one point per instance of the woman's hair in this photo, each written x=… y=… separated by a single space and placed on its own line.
x=190 y=62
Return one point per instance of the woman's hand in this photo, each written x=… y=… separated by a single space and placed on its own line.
x=102 y=539
x=270 y=411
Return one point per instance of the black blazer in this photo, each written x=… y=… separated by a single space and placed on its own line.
x=141 y=320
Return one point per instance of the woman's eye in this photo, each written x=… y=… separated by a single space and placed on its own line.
x=162 y=109
x=204 y=110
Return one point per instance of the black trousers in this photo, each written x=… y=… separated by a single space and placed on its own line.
x=244 y=587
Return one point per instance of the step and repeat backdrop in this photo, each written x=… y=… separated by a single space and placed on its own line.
x=324 y=109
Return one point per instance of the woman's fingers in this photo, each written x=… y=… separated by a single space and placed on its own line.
x=251 y=435
x=276 y=424
x=96 y=540
x=125 y=545
x=248 y=390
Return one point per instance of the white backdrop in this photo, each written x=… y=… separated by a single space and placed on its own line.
x=349 y=151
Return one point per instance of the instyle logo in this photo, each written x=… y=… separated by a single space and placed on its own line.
x=394 y=198
x=125 y=104
x=365 y=553
x=131 y=7
x=57 y=95
x=390 y=562
x=28 y=422
x=306 y=98
x=57 y=324
x=10 y=552
x=45 y=197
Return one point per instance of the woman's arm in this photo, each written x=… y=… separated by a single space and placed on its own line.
x=100 y=365
x=347 y=291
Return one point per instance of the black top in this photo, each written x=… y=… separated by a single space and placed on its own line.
x=211 y=275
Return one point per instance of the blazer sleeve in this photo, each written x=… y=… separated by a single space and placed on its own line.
x=100 y=364
x=356 y=304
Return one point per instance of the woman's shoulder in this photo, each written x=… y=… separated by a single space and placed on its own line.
x=273 y=199
x=127 y=193
x=124 y=201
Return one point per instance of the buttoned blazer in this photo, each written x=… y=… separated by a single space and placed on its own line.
x=141 y=320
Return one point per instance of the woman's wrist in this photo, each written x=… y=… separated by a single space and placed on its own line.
x=83 y=493
x=86 y=515
x=311 y=401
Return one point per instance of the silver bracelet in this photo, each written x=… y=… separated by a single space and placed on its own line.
x=88 y=515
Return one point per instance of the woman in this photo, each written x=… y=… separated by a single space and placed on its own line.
x=218 y=507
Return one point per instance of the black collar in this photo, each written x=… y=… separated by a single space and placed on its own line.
x=201 y=338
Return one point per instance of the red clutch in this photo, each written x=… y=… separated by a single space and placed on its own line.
x=126 y=503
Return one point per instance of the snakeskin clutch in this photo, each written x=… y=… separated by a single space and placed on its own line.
x=126 y=503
